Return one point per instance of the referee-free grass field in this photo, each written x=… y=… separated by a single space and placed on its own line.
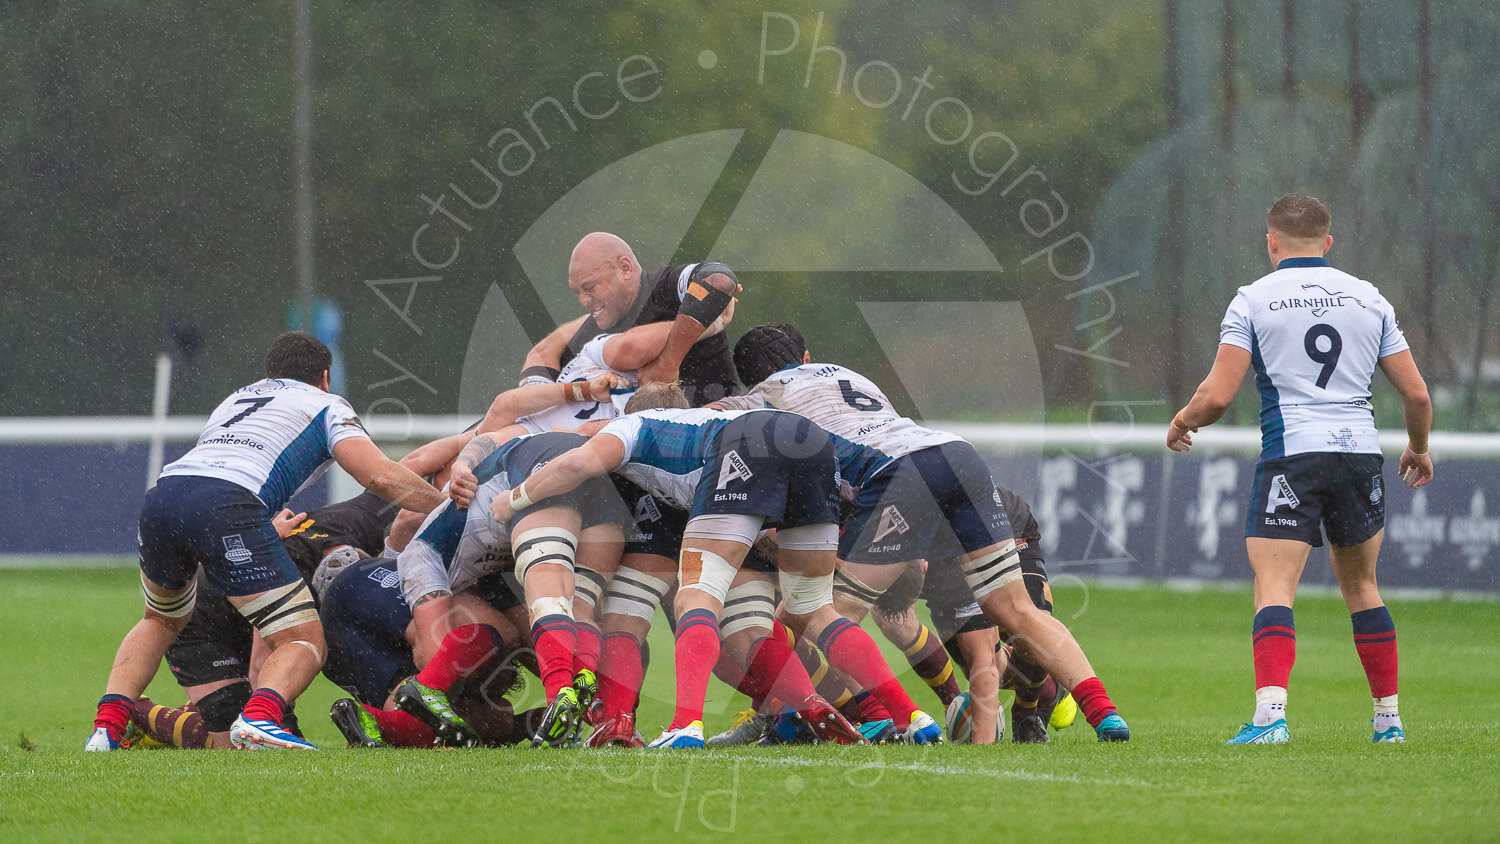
x=1177 y=663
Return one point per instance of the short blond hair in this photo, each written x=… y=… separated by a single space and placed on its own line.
x=656 y=395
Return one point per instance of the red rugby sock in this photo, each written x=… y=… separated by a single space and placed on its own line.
x=401 y=728
x=462 y=652
x=555 y=638
x=852 y=651
x=620 y=673
x=697 y=652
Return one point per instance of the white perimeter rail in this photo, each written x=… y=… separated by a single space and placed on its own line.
x=398 y=429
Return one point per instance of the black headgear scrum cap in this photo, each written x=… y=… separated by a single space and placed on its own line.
x=765 y=349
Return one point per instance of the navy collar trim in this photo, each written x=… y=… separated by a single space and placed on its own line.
x=1298 y=263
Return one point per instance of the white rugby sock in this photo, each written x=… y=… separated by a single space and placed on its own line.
x=1270 y=705
x=1386 y=714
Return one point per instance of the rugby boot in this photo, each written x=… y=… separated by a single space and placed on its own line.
x=1028 y=729
x=431 y=707
x=827 y=724
x=255 y=734
x=561 y=721
x=1112 y=728
x=100 y=741
x=1390 y=735
x=923 y=730
x=786 y=727
x=357 y=725
x=615 y=731
x=690 y=736
x=1272 y=733
x=744 y=729
x=882 y=731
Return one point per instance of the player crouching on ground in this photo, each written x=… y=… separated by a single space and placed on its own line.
x=214 y=507
x=565 y=548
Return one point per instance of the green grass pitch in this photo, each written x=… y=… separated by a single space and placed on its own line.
x=1177 y=663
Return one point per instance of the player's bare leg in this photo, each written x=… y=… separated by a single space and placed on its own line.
x=139 y=656
x=1278 y=565
x=599 y=550
x=630 y=604
x=807 y=605
x=1374 y=631
x=1044 y=639
x=751 y=639
x=706 y=569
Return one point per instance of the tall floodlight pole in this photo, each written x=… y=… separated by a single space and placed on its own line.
x=302 y=130
x=1173 y=242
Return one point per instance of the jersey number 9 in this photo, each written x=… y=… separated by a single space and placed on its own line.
x=1329 y=358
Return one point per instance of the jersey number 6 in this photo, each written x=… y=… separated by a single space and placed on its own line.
x=1330 y=358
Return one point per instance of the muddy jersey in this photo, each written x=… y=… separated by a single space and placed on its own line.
x=1315 y=336
x=273 y=438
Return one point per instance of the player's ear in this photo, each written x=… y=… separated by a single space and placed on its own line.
x=807 y=357
x=323 y=382
x=1327 y=244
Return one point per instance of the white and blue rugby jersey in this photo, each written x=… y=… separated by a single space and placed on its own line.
x=587 y=365
x=1314 y=335
x=867 y=433
x=665 y=449
x=273 y=438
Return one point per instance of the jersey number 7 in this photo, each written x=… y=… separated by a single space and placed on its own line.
x=255 y=404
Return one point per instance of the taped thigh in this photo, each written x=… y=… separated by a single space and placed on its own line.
x=281 y=608
x=172 y=603
x=731 y=526
x=993 y=571
x=543 y=545
x=749 y=605
x=822 y=537
x=634 y=593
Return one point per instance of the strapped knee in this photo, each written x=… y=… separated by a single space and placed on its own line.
x=749 y=606
x=170 y=603
x=705 y=571
x=805 y=595
x=588 y=586
x=220 y=707
x=543 y=545
x=854 y=590
x=635 y=593
x=543 y=607
x=993 y=571
x=282 y=608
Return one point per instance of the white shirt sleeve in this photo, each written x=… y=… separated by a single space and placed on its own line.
x=1391 y=338
x=745 y=402
x=627 y=430
x=342 y=423
x=1236 y=329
